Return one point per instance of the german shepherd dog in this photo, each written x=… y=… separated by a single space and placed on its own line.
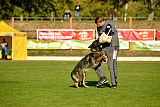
x=90 y=61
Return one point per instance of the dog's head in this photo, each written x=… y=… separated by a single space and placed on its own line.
x=95 y=46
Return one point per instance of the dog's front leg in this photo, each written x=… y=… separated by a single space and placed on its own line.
x=100 y=57
x=104 y=56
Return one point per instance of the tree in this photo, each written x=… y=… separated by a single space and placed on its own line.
x=89 y=8
x=6 y=9
x=151 y=6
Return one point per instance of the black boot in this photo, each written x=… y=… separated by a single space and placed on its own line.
x=102 y=81
x=114 y=86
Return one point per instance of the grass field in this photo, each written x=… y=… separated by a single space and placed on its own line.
x=48 y=84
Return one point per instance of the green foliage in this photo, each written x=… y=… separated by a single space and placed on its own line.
x=6 y=9
x=89 y=8
x=157 y=11
x=135 y=9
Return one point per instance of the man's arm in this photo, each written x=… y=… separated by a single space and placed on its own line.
x=6 y=44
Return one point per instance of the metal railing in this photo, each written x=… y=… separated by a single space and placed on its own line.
x=80 y=18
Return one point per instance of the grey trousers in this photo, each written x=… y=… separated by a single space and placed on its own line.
x=111 y=53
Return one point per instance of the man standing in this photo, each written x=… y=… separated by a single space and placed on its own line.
x=110 y=48
x=4 y=46
x=77 y=9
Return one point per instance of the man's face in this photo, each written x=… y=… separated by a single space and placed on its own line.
x=100 y=24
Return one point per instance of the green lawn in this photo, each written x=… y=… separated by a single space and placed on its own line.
x=48 y=84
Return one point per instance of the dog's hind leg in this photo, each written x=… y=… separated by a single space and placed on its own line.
x=85 y=85
x=76 y=84
x=83 y=82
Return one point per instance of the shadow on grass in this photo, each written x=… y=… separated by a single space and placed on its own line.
x=92 y=83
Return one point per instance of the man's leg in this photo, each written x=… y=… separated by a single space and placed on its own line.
x=6 y=55
x=112 y=65
x=101 y=74
x=76 y=14
x=99 y=70
x=115 y=55
x=3 y=53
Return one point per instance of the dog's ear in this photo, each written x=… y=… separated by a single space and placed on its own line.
x=87 y=58
x=98 y=44
x=95 y=43
x=90 y=46
x=97 y=40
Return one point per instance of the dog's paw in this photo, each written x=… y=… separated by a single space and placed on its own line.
x=85 y=86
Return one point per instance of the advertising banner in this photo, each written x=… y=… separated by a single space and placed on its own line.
x=74 y=44
x=34 y=44
x=146 y=45
x=89 y=34
x=65 y=34
x=158 y=34
x=136 y=34
x=77 y=44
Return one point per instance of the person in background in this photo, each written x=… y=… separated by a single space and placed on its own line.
x=110 y=48
x=115 y=15
x=4 y=46
x=110 y=14
x=67 y=14
x=77 y=9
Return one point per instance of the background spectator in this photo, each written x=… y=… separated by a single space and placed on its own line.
x=77 y=9
x=67 y=14
x=115 y=15
x=4 y=46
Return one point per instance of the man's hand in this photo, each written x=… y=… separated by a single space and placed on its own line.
x=105 y=38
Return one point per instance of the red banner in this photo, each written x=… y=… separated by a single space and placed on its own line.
x=158 y=34
x=88 y=35
x=61 y=35
x=136 y=35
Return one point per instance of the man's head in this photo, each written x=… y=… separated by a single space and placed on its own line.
x=100 y=21
x=78 y=3
x=4 y=40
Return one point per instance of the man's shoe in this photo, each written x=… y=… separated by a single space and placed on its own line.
x=114 y=86
x=102 y=81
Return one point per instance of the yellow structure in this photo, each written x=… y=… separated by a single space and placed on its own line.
x=17 y=42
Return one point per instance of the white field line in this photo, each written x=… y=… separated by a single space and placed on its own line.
x=70 y=58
